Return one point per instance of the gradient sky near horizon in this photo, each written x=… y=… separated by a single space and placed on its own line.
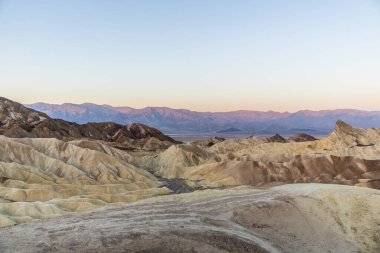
x=206 y=55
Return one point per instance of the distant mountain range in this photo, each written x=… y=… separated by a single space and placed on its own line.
x=229 y=130
x=181 y=121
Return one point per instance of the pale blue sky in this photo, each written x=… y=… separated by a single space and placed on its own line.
x=205 y=55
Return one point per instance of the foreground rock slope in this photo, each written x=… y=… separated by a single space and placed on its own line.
x=289 y=218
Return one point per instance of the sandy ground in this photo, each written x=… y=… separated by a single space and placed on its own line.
x=288 y=218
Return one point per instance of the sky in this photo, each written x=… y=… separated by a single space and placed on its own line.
x=205 y=55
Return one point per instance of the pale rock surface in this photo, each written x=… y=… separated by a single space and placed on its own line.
x=289 y=218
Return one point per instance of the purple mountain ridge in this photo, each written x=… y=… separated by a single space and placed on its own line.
x=177 y=121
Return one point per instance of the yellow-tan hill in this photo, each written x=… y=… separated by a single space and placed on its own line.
x=47 y=177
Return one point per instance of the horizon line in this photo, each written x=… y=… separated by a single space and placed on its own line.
x=192 y=110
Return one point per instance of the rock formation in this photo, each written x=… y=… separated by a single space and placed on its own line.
x=301 y=138
x=347 y=156
x=42 y=178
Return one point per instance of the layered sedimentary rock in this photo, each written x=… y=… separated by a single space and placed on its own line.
x=41 y=178
x=291 y=218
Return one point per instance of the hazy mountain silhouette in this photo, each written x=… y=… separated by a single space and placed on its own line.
x=185 y=121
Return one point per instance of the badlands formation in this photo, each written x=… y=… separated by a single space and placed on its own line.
x=116 y=189
x=347 y=156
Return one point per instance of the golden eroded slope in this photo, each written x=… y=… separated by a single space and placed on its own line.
x=47 y=177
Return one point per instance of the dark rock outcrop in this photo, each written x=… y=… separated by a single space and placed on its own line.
x=301 y=138
x=276 y=138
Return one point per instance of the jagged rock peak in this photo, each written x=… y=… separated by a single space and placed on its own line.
x=345 y=128
x=15 y=113
x=356 y=136
x=341 y=125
